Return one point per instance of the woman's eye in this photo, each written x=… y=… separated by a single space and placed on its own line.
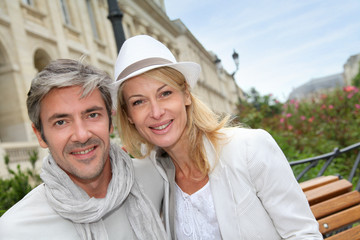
x=166 y=93
x=137 y=102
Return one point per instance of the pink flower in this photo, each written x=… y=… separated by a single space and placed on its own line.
x=282 y=120
x=288 y=115
x=323 y=106
x=311 y=119
x=349 y=88
x=297 y=104
x=303 y=117
x=331 y=106
x=357 y=106
x=290 y=127
x=350 y=95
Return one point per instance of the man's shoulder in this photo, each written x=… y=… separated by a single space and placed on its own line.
x=145 y=171
x=33 y=218
x=35 y=197
x=150 y=180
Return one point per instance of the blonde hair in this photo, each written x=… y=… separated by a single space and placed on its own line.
x=200 y=121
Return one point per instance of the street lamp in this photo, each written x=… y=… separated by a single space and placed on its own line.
x=115 y=16
x=235 y=57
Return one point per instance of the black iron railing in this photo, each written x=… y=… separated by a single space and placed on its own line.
x=326 y=160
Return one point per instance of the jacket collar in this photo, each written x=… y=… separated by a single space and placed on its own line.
x=222 y=193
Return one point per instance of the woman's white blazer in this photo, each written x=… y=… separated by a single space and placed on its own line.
x=255 y=193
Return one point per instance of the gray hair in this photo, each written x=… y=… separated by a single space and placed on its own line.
x=65 y=73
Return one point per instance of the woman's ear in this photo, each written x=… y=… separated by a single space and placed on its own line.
x=187 y=98
x=130 y=120
x=127 y=115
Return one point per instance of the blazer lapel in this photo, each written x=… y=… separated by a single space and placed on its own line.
x=223 y=195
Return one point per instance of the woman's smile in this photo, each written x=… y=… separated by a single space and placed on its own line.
x=161 y=126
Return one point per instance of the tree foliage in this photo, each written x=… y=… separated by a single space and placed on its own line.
x=19 y=184
x=356 y=81
x=309 y=127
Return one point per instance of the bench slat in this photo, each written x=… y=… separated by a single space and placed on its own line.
x=317 y=182
x=339 y=220
x=328 y=191
x=335 y=204
x=350 y=234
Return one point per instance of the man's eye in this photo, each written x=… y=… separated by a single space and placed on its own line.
x=60 y=123
x=93 y=115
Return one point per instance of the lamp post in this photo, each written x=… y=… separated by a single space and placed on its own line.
x=115 y=16
x=235 y=57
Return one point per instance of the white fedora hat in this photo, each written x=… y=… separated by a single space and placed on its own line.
x=142 y=53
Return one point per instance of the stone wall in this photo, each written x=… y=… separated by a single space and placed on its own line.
x=31 y=35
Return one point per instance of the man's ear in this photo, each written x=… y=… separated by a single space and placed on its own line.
x=41 y=141
x=111 y=128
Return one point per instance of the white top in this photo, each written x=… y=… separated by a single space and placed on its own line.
x=195 y=216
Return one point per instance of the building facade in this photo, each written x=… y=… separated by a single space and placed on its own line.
x=351 y=68
x=34 y=32
x=323 y=84
x=316 y=86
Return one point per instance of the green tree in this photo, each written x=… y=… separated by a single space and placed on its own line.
x=20 y=183
x=257 y=109
x=356 y=80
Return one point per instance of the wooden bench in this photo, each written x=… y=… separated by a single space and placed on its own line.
x=335 y=206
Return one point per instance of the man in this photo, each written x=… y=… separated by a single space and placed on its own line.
x=89 y=189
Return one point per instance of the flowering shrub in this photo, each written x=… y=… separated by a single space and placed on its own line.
x=332 y=119
x=258 y=110
x=310 y=127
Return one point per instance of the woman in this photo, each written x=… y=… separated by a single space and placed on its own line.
x=224 y=183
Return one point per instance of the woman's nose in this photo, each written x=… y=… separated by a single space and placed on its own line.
x=157 y=110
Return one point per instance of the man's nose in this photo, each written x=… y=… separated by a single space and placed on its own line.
x=81 y=132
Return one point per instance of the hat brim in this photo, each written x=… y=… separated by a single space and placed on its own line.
x=190 y=70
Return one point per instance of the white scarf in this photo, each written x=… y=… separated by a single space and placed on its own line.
x=73 y=203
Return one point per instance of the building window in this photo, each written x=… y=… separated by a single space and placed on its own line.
x=65 y=12
x=92 y=19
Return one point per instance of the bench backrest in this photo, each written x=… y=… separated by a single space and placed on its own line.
x=335 y=206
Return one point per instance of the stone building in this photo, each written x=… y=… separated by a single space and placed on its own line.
x=33 y=32
x=351 y=68
x=316 y=86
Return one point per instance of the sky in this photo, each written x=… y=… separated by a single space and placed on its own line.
x=282 y=44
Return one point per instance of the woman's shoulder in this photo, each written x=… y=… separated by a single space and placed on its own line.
x=246 y=140
x=245 y=134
